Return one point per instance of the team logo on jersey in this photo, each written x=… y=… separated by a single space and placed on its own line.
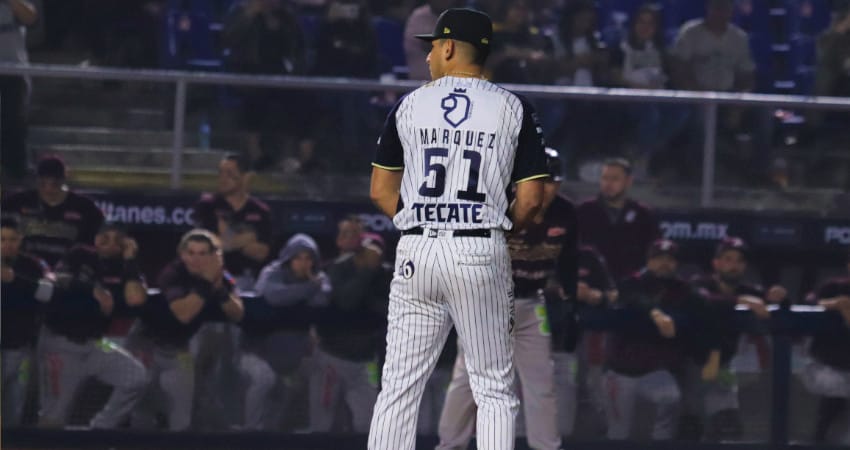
x=456 y=106
x=406 y=270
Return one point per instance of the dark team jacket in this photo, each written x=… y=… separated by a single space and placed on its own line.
x=547 y=252
x=253 y=216
x=159 y=323
x=832 y=348
x=50 y=231
x=21 y=311
x=623 y=242
x=593 y=270
x=74 y=312
x=636 y=347
x=352 y=325
x=721 y=319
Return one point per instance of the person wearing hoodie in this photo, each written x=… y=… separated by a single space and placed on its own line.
x=293 y=289
x=350 y=330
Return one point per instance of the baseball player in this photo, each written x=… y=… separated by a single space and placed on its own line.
x=293 y=288
x=446 y=158
x=717 y=396
x=93 y=283
x=53 y=218
x=345 y=369
x=27 y=286
x=656 y=340
x=828 y=374
x=195 y=288
x=543 y=256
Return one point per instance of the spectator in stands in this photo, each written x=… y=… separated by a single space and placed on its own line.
x=712 y=54
x=242 y=221
x=828 y=373
x=27 y=286
x=833 y=62
x=53 y=218
x=195 y=289
x=521 y=52
x=582 y=60
x=617 y=226
x=422 y=21
x=93 y=285
x=264 y=37
x=350 y=330
x=347 y=45
x=641 y=62
x=294 y=288
x=724 y=289
x=654 y=341
x=15 y=15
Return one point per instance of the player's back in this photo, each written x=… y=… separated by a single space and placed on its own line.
x=459 y=138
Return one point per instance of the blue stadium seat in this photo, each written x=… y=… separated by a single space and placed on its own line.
x=390 y=36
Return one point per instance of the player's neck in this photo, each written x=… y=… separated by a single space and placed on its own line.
x=465 y=71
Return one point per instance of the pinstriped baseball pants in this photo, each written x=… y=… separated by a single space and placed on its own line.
x=440 y=282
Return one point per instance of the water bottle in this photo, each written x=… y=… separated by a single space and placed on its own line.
x=204 y=131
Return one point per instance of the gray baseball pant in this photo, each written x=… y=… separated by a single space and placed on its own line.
x=66 y=364
x=533 y=361
x=622 y=391
x=828 y=381
x=171 y=388
x=17 y=372
x=334 y=380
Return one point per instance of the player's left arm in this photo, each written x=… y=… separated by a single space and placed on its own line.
x=388 y=167
x=529 y=169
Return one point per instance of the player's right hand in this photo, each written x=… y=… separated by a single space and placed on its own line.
x=756 y=305
x=104 y=298
x=8 y=274
x=665 y=324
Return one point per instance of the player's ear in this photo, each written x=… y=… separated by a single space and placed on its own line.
x=449 y=49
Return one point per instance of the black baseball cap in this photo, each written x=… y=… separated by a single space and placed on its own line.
x=732 y=243
x=51 y=167
x=663 y=247
x=463 y=24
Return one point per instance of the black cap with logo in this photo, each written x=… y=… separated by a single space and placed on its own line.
x=463 y=24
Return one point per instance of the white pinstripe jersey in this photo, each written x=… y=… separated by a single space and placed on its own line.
x=460 y=143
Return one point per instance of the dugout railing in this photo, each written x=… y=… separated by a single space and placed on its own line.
x=786 y=324
x=184 y=80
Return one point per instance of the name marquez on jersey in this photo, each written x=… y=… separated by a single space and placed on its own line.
x=470 y=138
x=448 y=212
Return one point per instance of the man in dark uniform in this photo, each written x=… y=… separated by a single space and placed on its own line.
x=94 y=283
x=653 y=341
x=617 y=226
x=828 y=374
x=242 y=221
x=52 y=217
x=27 y=286
x=724 y=290
x=544 y=263
x=195 y=288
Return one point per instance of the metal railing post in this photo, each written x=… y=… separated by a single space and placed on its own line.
x=709 y=152
x=177 y=145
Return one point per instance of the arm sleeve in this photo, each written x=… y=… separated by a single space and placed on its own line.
x=682 y=49
x=530 y=160
x=390 y=154
x=278 y=293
